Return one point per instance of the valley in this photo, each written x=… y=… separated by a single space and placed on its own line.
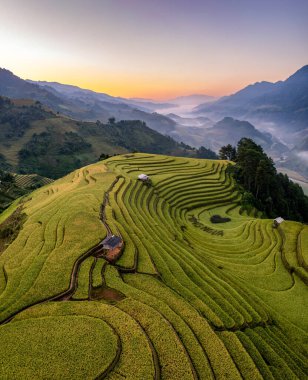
x=154 y=190
x=273 y=114
x=35 y=140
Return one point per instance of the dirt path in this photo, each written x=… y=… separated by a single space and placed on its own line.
x=94 y=251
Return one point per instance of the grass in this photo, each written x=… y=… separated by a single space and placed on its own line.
x=135 y=360
x=97 y=279
x=82 y=291
x=240 y=356
x=172 y=356
x=200 y=300
x=38 y=263
x=43 y=347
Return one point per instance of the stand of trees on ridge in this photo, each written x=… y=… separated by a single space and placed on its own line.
x=270 y=192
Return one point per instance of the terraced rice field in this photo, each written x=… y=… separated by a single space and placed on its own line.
x=187 y=299
x=28 y=180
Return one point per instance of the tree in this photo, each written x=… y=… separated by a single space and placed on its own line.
x=227 y=152
x=111 y=120
x=263 y=188
x=104 y=156
x=264 y=178
x=203 y=152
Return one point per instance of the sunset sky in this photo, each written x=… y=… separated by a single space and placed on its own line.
x=154 y=48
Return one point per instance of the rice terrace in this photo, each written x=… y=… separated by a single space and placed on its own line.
x=195 y=287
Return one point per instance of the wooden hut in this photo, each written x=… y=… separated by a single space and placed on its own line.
x=112 y=247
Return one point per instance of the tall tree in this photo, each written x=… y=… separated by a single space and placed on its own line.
x=270 y=192
x=227 y=152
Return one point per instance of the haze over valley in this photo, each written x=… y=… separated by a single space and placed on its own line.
x=274 y=114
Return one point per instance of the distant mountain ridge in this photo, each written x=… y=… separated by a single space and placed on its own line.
x=279 y=108
x=192 y=99
x=17 y=88
x=85 y=94
x=81 y=104
x=284 y=103
x=230 y=131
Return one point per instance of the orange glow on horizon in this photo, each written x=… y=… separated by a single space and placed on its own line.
x=158 y=49
x=158 y=89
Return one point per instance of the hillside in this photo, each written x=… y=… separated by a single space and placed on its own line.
x=91 y=97
x=81 y=104
x=225 y=131
x=13 y=186
x=33 y=139
x=230 y=131
x=9 y=190
x=12 y=86
x=280 y=109
x=187 y=299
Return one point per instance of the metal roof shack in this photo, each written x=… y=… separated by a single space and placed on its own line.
x=143 y=177
x=277 y=221
x=112 y=242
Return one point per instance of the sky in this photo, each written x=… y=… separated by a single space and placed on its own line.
x=155 y=49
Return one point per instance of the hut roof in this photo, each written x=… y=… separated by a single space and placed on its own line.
x=279 y=220
x=143 y=177
x=111 y=242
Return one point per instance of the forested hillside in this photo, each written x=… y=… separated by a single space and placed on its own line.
x=33 y=139
x=271 y=192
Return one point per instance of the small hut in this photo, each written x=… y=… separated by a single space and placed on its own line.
x=143 y=177
x=277 y=222
x=111 y=242
x=112 y=247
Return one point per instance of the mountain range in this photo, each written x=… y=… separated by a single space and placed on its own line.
x=81 y=104
x=283 y=104
x=84 y=95
x=230 y=131
x=279 y=108
x=33 y=139
x=275 y=114
x=87 y=105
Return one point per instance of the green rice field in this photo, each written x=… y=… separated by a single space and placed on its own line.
x=28 y=180
x=187 y=299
